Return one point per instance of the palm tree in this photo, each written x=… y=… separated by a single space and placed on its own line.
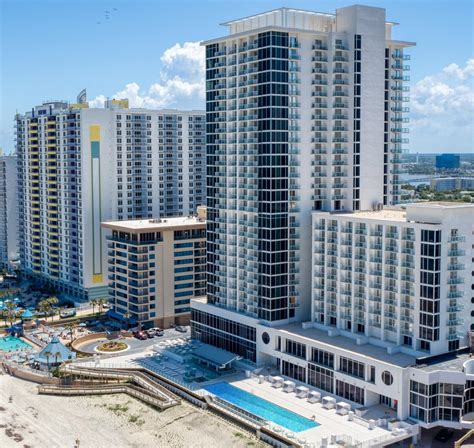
x=47 y=354
x=11 y=313
x=56 y=356
x=52 y=300
x=44 y=306
x=71 y=327
x=94 y=303
x=101 y=302
x=4 y=316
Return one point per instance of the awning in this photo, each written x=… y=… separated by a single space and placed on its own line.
x=216 y=356
x=114 y=315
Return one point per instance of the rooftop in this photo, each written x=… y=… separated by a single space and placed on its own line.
x=399 y=214
x=155 y=224
x=450 y=361
x=349 y=344
x=282 y=11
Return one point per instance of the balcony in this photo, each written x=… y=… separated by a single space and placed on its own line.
x=454 y=322
x=456 y=239
x=455 y=281
x=456 y=267
x=456 y=253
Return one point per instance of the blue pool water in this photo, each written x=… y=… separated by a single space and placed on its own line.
x=261 y=408
x=12 y=344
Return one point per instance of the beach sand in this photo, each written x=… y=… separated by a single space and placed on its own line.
x=116 y=421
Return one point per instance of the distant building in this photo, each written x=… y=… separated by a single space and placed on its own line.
x=78 y=166
x=156 y=267
x=448 y=161
x=8 y=210
x=452 y=183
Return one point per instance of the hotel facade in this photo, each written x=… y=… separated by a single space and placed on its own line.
x=78 y=166
x=155 y=268
x=312 y=268
x=8 y=211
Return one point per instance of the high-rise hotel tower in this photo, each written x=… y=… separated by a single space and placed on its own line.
x=305 y=112
x=8 y=210
x=311 y=267
x=78 y=166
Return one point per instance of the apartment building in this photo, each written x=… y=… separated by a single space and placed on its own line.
x=286 y=135
x=399 y=277
x=305 y=115
x=78 y=166
x=8 y=210
x=155 y=268
x=452 y=183
x=391 y=314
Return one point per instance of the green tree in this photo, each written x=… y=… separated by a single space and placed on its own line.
x=48 y=355
x=44 y=306
x=93 y=303
x=56 y=356
x=70 y=328
x=101 y=303
x=52 y=300
x=12 y=314
x=4 y=316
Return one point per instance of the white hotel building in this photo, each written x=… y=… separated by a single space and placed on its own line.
x=78 y=166
x=305 y=116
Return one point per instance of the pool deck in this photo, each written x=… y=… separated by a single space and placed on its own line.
x=329 y=422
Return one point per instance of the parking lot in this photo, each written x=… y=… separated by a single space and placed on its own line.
x=137 y=345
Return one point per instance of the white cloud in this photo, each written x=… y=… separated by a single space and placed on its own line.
x=181 y=81
x=444 y=103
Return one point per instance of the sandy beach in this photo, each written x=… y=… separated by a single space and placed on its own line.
x=30 y=420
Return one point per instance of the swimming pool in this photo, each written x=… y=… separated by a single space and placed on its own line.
x=12 y=344
x=261 y=408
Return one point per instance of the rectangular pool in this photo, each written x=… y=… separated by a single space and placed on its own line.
x=12 y=344
x=261 y=408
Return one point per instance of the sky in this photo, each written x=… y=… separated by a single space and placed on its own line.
x=148 y=51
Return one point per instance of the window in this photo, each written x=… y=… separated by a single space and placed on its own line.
x=321 y=378
x=295 y=349
x=293 y=371
x=352 y=367
x=350 y=392
x=387 y=378
x=322 y=357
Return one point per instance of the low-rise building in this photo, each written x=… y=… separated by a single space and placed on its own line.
x=155 y=267
x=452 y=183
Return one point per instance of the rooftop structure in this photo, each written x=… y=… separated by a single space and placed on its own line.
x=54 y=354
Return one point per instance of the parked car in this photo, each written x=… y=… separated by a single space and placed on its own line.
x=151 y=333
x=67 y=313
x=158 y=331
x=444 y=434
x=140 y=335
x=181 y=329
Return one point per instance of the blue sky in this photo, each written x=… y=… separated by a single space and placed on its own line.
x=147 y=50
